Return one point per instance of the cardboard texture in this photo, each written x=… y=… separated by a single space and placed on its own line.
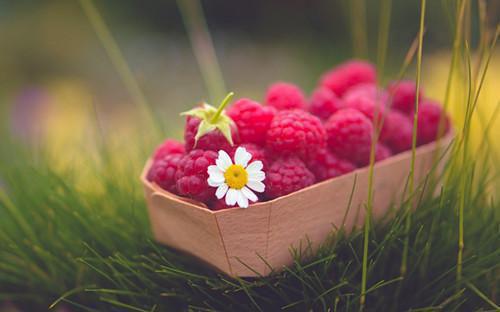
x=249 y=242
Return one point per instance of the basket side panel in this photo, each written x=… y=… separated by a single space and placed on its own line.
x=391 y=177
x=309 y=217
x=188 y=228
x=148 y=194
x=244 y=233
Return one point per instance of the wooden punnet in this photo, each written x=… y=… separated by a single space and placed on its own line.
x=236 y=240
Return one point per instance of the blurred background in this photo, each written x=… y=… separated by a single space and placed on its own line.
x=84 y=83
x=57 y=82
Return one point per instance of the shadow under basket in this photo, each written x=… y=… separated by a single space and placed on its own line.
x=248 y=242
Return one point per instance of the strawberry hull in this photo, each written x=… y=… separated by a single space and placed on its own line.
x=247 y=242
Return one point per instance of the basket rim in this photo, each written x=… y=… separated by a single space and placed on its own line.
x=156 y=190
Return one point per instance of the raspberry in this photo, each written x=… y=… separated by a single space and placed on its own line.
x=429 y=115
x=258 y=153
x=192 y=175
x=163 y=172
x=403 y=95
x=347 y=75
x=219 y=204
x=212 y=141
x=295 y=133
x=326 y=165
x=324 y=103
x=168 y=147
x=397 y=132
x=287 y=175
x=382 y=152
x=252 y=119
x=369 y=90
x=283 y=96
x=349 y=135
x=369 y=106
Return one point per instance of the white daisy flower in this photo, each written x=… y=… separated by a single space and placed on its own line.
x=237 y=181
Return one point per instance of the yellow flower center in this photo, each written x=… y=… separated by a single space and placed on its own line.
x=236 y=177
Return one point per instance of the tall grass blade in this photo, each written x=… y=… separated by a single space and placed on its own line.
x=404 y=261
x=118 y=60
x=453 y=64
x=465 y=160
x=203 y=48
x=357 y=18
x=482 y=296
x=383 y=37
x=382 y=50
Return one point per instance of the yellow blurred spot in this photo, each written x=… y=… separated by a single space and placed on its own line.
x=435 y=77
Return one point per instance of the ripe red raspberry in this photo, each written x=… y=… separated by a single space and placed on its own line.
x=349 y=135
x=258 y=153
x=397 y=132
x=324 y=103
x=219 y=204
x=252 y=119
x=283 y=96
x=295 y=133
x=403 y=95
x=163 y=172
x=367 y=89
x=212 y=141
x=348 y=74
x=369 y=106
x=429 y=115
x=382 y=152
x=287 y=175
x=326 y=165
x=192 y=175
x=168 y=147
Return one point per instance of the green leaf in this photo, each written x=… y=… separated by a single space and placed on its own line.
x=212 y=119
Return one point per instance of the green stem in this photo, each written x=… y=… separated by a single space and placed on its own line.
x=118 y=60
x=382 y=48
x=453 y=65
x=483 y=36
x=383 y=37
x=414 y=144
x=203 y=48
x=366 y=233
x=483 y=296
x=357 y=11
x=465 y=169
x=221 y=107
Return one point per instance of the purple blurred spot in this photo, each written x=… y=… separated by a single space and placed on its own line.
x=30 y=107
x=8 y=307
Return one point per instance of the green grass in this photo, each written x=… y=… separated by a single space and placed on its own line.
x=79 y=235
x=93 y=248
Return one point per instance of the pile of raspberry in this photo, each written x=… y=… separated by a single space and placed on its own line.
x=300 y=140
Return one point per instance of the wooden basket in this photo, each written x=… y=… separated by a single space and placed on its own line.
x=237 y=241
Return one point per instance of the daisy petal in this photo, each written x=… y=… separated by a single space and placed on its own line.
x=258 y=176
x=242 y=200
x=231 y=197
x=215 y=173
x=223 y=161
x=221 y=191
x=249 y=194
x=256 y=186
x=214 y=183
x=255 y=166
x=242 y=157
